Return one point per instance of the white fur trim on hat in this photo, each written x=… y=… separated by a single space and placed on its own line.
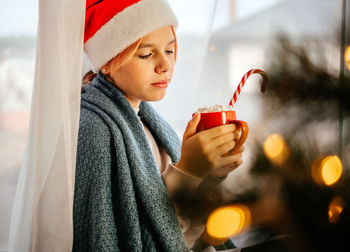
x=127 y=27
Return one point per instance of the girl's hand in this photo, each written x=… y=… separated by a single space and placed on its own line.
x=223 y=171
x=208 y=151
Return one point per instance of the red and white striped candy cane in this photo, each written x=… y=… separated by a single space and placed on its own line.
x=245 y=77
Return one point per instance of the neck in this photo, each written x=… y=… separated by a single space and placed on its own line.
x=135 y=103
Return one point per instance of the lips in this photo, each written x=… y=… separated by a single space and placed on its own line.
x=161 y=84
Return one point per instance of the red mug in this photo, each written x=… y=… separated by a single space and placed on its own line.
x=214 y=119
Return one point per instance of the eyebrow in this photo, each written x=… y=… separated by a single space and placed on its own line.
x=152 y=45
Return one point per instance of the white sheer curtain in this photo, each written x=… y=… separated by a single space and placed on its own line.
x=42 y=216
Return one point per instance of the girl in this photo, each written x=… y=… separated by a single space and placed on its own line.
x=130 y=163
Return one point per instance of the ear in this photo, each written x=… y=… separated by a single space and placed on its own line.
x=105 y=69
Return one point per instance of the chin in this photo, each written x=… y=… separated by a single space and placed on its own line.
x=157 y=97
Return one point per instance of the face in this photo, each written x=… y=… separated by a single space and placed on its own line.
x=146 y=76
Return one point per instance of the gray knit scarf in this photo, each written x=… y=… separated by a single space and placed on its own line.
x=120 y=201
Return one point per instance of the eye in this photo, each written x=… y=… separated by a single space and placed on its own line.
x=169 y=51
x=145 y=56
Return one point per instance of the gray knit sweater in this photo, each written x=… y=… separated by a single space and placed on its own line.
x=120 y=201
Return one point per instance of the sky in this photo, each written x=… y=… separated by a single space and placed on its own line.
x=20 y=17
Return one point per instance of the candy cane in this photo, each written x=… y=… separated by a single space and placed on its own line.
x=245 y=77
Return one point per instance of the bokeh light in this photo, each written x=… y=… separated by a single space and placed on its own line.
x=347 y=57
x=276 y=149
x=327 y=170
x=227 y=221
x=331 y=170
x=335 y=208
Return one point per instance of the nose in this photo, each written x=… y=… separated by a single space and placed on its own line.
x=163 y=65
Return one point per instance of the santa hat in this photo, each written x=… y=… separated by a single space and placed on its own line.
x=113 y=25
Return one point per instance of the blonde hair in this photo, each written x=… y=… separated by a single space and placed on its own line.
x=123 y=57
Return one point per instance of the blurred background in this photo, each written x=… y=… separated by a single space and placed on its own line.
x=299 y=43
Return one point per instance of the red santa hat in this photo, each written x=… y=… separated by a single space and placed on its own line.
x=113 y=25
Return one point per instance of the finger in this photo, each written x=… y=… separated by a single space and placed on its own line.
x=227 y=161
x=238 y=163
x=241 y=149
x=220 y=130
x=229 y=137
x=224 y=148
x=191 y=127
x=237 y=134
x=224 y=171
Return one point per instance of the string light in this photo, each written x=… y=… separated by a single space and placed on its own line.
x=347 y=57
x=225 y=222
x=335 y=208
x=327 y=170
x=276 y=149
